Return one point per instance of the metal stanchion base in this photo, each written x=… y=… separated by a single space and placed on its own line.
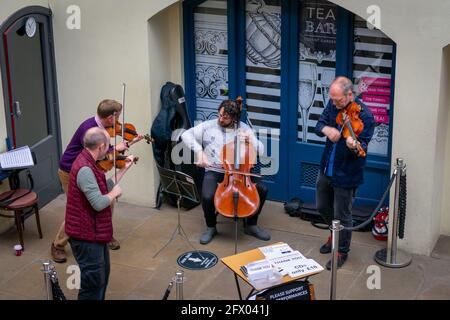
x=403 y=259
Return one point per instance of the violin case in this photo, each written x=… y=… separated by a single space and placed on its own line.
x=172 y=116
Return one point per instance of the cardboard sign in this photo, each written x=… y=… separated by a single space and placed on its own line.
x=297 y=290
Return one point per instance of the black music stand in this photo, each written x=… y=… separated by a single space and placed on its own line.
x=182 y=186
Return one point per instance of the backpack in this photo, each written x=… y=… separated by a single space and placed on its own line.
x=380 y=226
x=294 y=207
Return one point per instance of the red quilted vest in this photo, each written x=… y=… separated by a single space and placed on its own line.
x=82 y=221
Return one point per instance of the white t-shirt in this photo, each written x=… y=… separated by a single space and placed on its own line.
x=210 y=137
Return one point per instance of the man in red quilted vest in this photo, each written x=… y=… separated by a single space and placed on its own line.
x=103 y=119
x=88 y=214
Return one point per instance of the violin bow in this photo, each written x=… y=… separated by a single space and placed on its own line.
x=221 y=170
x=124 y=86
x=123 y=135
x=114 y=149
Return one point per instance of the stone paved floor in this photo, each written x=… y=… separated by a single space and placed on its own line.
x=142 y=231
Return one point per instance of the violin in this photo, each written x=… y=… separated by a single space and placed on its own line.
x=129 y=132
x=236 y=196
x=352 y=126
x=108 y=163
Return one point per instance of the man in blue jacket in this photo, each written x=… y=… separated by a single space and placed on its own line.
x=341 y=169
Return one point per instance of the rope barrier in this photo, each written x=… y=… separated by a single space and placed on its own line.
x=402 y=207
x=57 y=293
x=390 y=256
x=380 y=203
x=167 y=293
x=324 y=225
x=52 y=288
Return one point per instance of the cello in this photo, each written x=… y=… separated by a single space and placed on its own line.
x=236 y=196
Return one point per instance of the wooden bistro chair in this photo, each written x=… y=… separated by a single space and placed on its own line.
x=18 y=201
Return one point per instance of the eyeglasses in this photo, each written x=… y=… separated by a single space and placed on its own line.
x=340 y=100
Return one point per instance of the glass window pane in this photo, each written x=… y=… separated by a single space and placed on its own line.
x=263 y=76
x=263 y=64
x=26 y=65
x=317 y=64
x=372 y=67
x=211 y=54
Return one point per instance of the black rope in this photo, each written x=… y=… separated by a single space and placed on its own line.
x=380 y=203
x=169 y=288
x=402 y=207
x=57 y=293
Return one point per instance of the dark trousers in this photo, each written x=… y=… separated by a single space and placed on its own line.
x=336 y=203
x=93 y=259
x=209 y=188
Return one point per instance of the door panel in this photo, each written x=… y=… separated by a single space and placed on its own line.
x=373 y=54
x=28 y=91
x=31 y=99
x=263 y=89
x=316 y=70
x=211 y=57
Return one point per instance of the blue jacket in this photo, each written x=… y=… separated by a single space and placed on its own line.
x=348 y=168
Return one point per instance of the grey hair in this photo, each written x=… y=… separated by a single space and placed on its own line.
x=344 y=83
x=94 y=137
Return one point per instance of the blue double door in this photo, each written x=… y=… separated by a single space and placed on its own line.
x=281 y=56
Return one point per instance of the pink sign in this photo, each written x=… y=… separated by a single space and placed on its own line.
x=379 y=90
x=381 y=118
x=376 y=99
x=378 y=110
x=380 y=82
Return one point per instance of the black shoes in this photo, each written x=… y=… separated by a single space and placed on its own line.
x=342 y=257
x=326 y=248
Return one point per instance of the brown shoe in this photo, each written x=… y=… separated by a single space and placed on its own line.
x=58 y=254
x=114 y=244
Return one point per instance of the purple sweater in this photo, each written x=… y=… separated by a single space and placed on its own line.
x=76 y=145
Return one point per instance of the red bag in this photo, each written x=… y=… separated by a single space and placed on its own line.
x=380 y=226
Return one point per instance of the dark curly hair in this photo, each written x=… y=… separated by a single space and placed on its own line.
x=231 y=108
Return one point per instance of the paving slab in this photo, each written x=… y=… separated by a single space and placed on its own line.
x=136 y=274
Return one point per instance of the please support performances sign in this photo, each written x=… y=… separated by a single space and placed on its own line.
x=297 y=290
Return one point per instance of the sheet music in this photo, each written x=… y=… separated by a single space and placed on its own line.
x=17 y=158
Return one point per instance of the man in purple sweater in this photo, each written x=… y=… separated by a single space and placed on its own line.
x=104 y=118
